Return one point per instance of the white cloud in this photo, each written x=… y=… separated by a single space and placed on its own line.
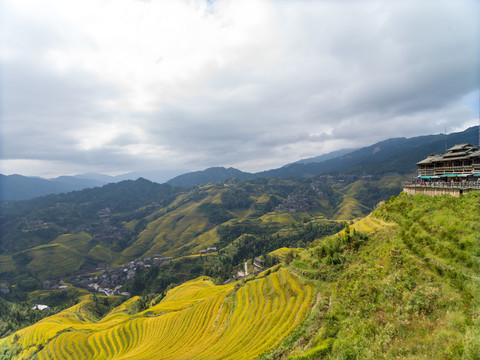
x=129 y=85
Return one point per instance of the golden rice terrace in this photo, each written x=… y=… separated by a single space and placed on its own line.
x=195 y=320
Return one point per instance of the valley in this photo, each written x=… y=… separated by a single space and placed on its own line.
x=83 y=232
x=400 y=283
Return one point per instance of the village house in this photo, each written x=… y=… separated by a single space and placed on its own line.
x=35 y=224
x=159 y=260
x=41 y=307
x=104 y=214
x=258 y=262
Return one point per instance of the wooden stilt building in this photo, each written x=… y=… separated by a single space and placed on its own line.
x=455 y=172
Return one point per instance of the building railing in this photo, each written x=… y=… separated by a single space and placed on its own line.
x=450 y=170
x=443 y=184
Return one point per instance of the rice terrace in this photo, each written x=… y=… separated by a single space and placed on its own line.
x=239 y=180
x=196 y=320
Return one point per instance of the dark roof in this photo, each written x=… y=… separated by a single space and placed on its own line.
x=457 y=152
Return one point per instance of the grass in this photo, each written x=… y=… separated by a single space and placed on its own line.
x=405 y=288
x=6 y=263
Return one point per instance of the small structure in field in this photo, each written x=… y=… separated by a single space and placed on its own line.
x=258 y=262
x=41 y=307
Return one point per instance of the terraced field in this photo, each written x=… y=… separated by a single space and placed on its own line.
x=67 y=252
x=369 y=224
x=196 y=320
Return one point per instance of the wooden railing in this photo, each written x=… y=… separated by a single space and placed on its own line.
x=451 y=170
x=442 y=184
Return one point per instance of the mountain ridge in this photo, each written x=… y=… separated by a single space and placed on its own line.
x=375 y=159
x=394 y=155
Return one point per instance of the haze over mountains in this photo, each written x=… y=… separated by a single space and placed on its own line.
x=395 y=155
x=17 y=187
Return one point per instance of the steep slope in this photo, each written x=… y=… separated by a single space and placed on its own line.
x=61 y=234
x=405 y=288
x=196 y=320
x=324 y=157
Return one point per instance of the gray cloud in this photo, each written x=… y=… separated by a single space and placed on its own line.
x=297 y=79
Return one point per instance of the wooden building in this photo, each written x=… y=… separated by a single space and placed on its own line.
x=455 y=173
x=459 y=162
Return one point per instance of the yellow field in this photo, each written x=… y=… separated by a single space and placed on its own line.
x=196 y=320
x=173 y=230
x=369 y=224
x=282 y=252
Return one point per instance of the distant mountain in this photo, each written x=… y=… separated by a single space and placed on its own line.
x=158 y=176
x=396 y=155
x=324 y=157
x=18 y=187
x=78 y=183
x=106 y=179
x=210 y=175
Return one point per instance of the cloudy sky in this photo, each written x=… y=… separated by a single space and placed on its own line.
x=114 y=86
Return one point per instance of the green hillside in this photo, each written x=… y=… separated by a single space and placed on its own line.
x=399 y=284
x=407 y=289
x=61 y=234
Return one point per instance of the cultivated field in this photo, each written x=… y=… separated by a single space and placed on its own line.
x=195 y=320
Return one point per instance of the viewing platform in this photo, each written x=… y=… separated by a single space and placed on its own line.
x=440 y=188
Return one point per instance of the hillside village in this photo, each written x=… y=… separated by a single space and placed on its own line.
x=110 y=280
x=303 y=202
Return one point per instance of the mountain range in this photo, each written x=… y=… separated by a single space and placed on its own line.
x=18 y=187
x=395 y=155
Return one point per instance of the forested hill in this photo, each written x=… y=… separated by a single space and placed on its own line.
x=210 y=175
x=397 y=155
x=400 y=283
x=18 y=187
x=52 y=236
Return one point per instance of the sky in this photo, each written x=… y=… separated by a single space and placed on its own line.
x=114 y=86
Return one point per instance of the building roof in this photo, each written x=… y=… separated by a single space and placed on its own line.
x=460 y=147
x=431 y=159
x=457 y=152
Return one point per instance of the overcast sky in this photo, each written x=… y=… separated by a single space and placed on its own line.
x=113 y=86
